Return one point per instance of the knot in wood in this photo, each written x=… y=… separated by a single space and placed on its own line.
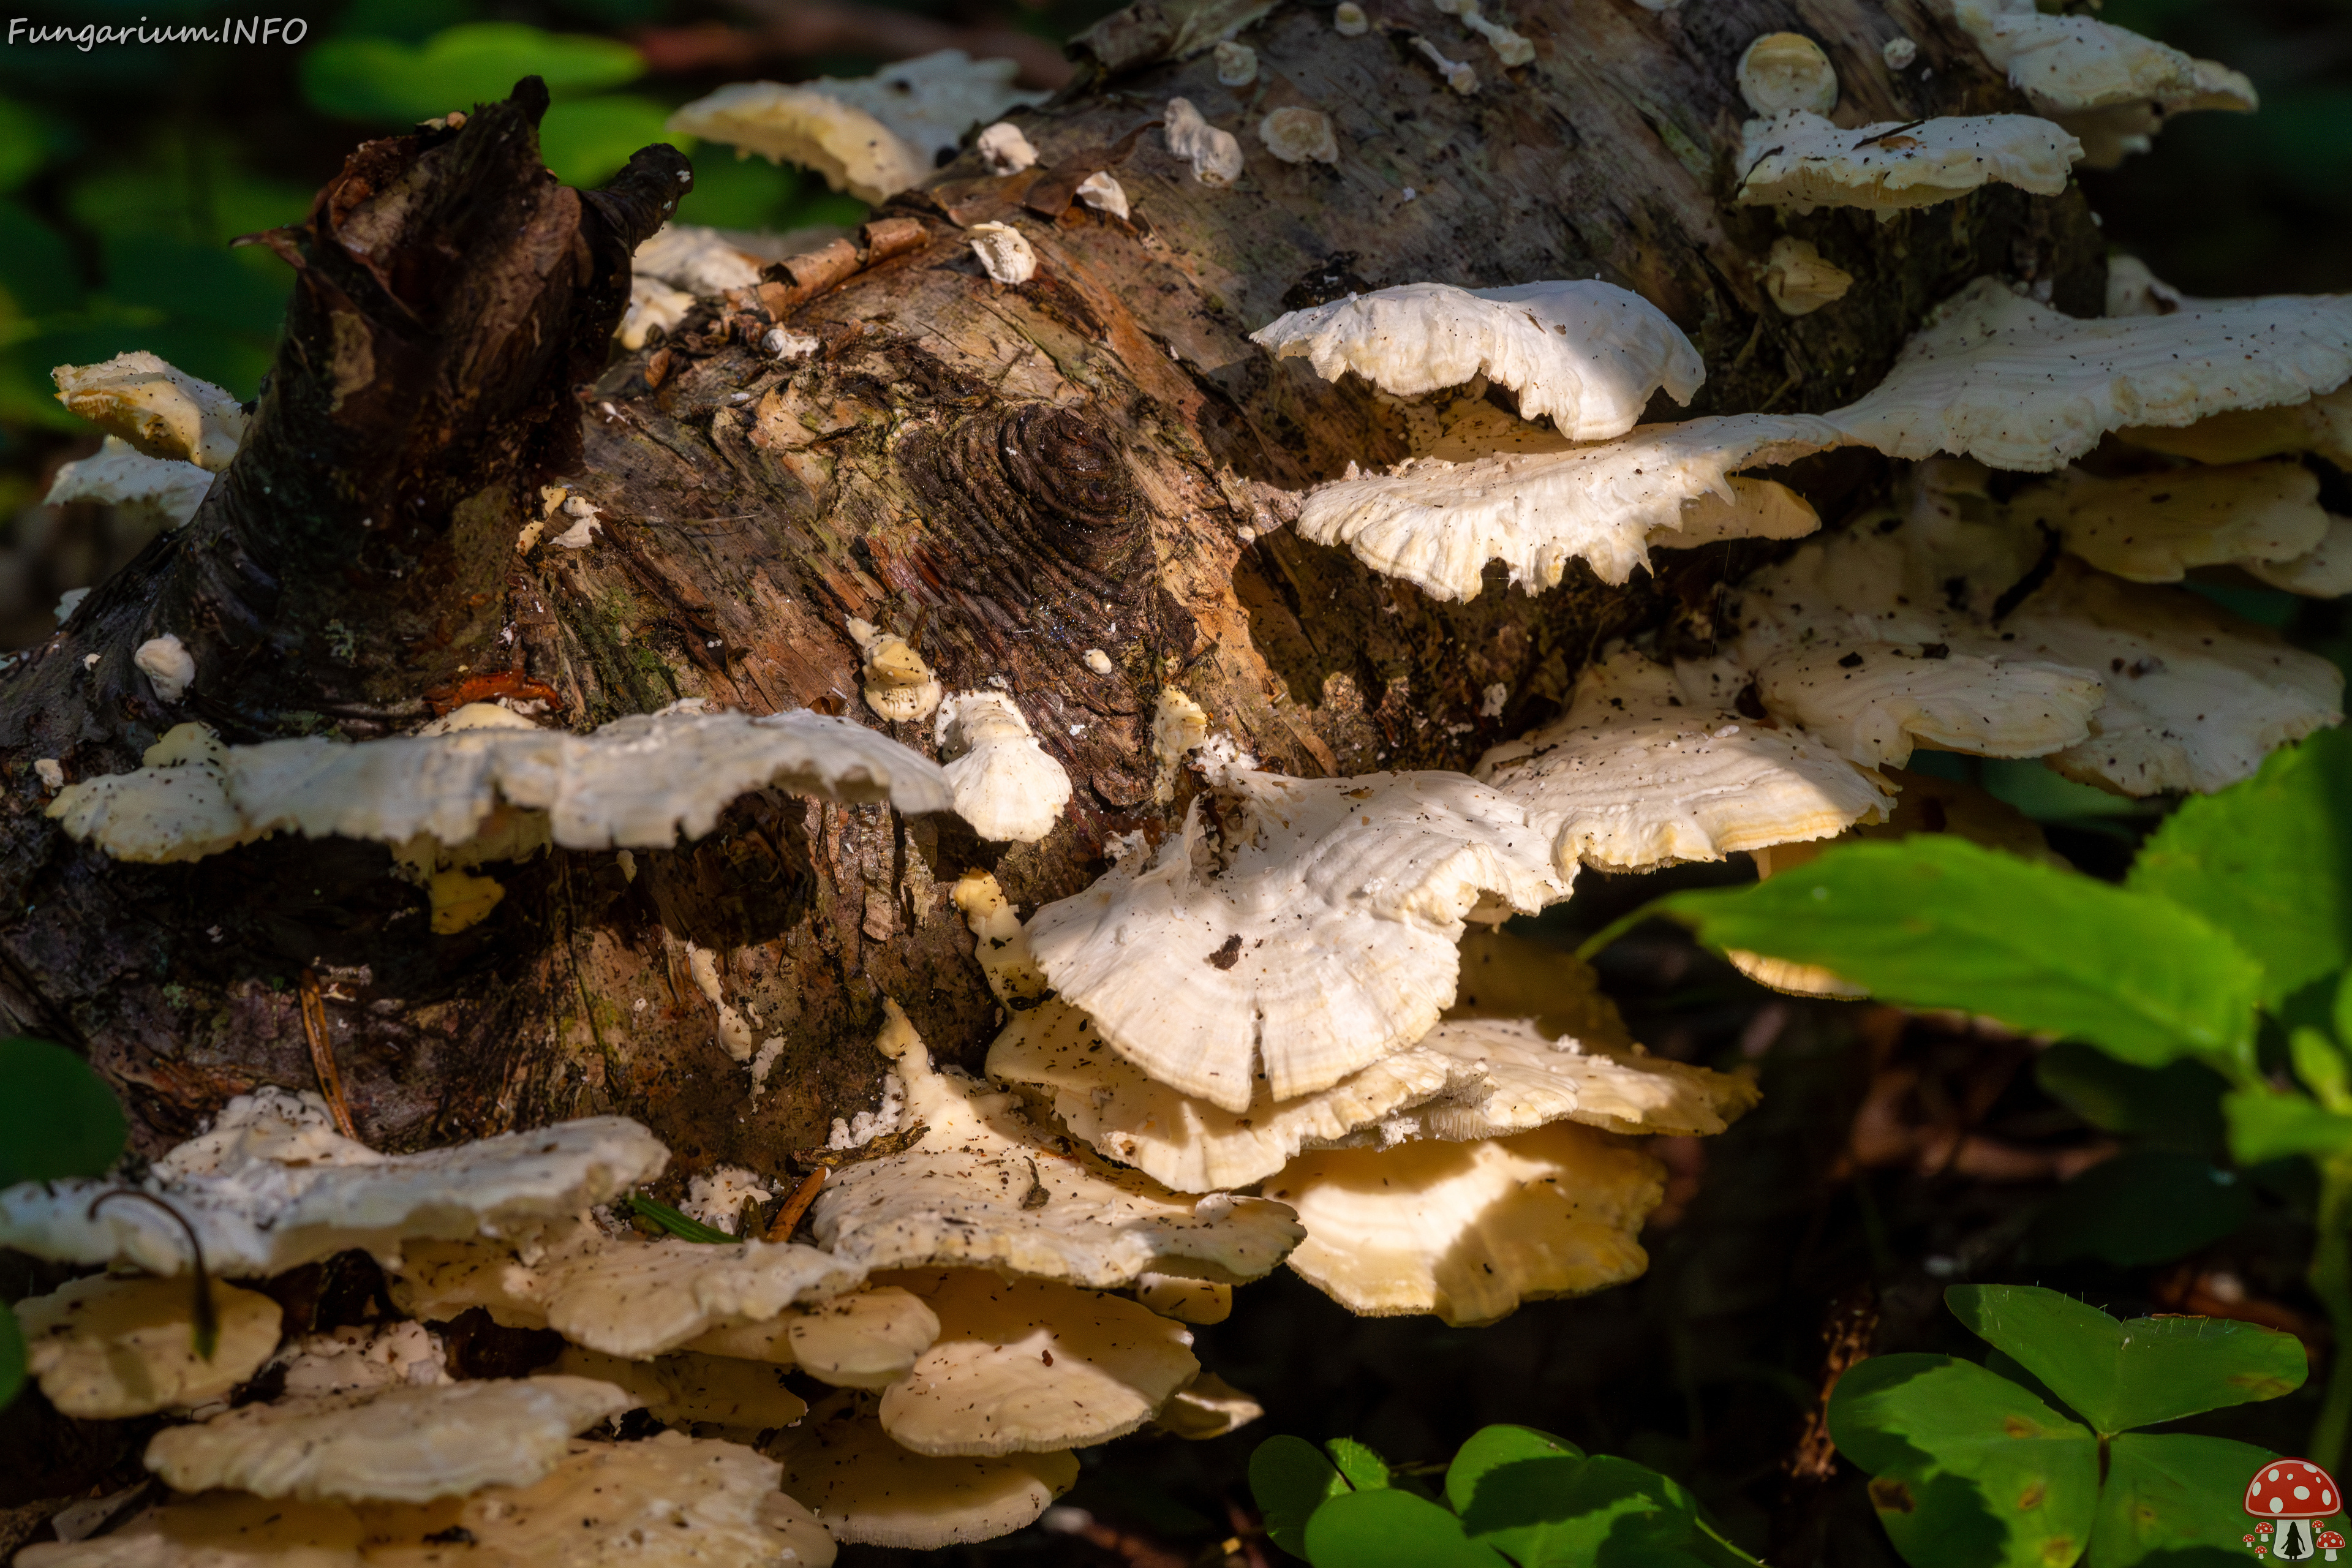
x=1066 y=466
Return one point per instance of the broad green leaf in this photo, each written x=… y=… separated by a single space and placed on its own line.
x=1967 y=1469
x=2177 y=1106
x=680 y=1225
x=12 y=1358
x=2266 y=1126
x=2269 y=861
x=2320 y=1065
x=587 y=142
x=392 y=83
x=2343 y=1010
x=2150 y=1206
x=1491 y=1445
x=1385 y=1527
x=1290 y=1479
x=2174 y=1501
x=57 y=1118
x=1936 y=922
x=1566 y=1512
x=2121 y=1376
x=1365 y=1470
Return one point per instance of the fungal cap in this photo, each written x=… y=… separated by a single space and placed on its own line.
x=1509 y=47
x=106 y=1349
x=168 y=665
x=1299 y=135
x=1801 y=160
x=1522 y=1078
x=1644 y=770
x=1436 y=524
x=1798 y=281
x=868 y=1340
x=1201 y=1301
x=1215 y=155
x=1348 y=20
x=739 y=1396
x=2073 y=62
x=397 y=1445
x=1103 y=193
x=1003 y=148
x=867 y=1489
x=219 y=1530
x=1469 y=1231
x=1781 y=71
x=1032 y=1366
x=1585 y=353
x=120 y=474
x=1237 y=64
x=1005 y=783
x=700 y=260
x=162 y=411
x=1325 y=942
x=2151 y=527
x=1208 y=1407
x=1004 y=254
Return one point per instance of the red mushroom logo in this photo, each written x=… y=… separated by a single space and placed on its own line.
x=2330 y=1543
x=2290 y=1494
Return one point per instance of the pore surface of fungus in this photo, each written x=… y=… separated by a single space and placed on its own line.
x=2019 y=385
x=743 y=1397
x=1644 y=770
x=1306 y=934
x=1031 y=1366
x=1469 y=1231
x=165 y=488
x=398 y=1445
x=867 y=1488
x=273 y=1187
x=1801 y=160
x=1586 y=354
x=2151 y=527
x=986 y=1186
x=106 y=1349
x=1436 y=524
x=635 y=784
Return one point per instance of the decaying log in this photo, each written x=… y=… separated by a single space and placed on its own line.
x=1008 y=475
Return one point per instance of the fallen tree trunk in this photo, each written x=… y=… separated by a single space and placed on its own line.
x=1011 y=476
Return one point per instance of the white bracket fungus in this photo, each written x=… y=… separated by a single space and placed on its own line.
x=633 y=784
x=700 y=260
x=1798 y=281
x=1436 y=524
x=2151 y=527
x=1187 y=1300
x=273 y=1187
x=867 y=1489
x=2322 y=424
x=2019 y=385
x=1237 y=64
x=2323 y=572
x=2076 y=62
x=1215 y=155
x=120 y=475
x=162 y=411
x=168 y=665
x=106 y=1349
x=869 y=1339
x=1802 y=161
x=1003 y=148
x=1031 y=1366
x=1299 y=135
x=897 y=684
x=739 y=1397
x=397 y=1445
x=1899 y=53
x=1178 y=724
x=1311 y=933
x=717 y=1197
x=1208 y=1407
x=1519 y=1079
x=1004 y=783
x=1103 y=193
x=1004 y=252
x=1348 y=19
x=985 y=1187
x=873 y=136
x=1587 y=354
x=1781 y=71
x=653 y=307
x=1643 y=771
x=1469 y=1231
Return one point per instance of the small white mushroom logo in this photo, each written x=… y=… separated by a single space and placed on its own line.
x=2290 y=1496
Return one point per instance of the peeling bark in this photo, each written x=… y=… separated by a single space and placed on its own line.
x=1008 y=475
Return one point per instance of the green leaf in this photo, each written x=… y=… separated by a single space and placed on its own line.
x=587 y=142
x=58 y=1118
x=2150 y=1206
x=1936 y=922
x=1967 y=1469
x=1385 y=1527
x=1290 y=1480
x=677 y=1224
x=2177 y=1106
x=2120 y=1375
x=2266 y=1126
x=1365 y=1470
x=2320 y=1065
x=12 y=1358
x=2269 y=861
x=1501 y=1445
x=389 y=82
x=1562 y=1511
x=2177 y=1496
x=2344 y=1009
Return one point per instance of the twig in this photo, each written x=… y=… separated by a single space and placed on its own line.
x=323 y=1055
x=788 y=1218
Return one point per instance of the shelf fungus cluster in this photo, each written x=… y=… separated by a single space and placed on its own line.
x=982 y=1300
